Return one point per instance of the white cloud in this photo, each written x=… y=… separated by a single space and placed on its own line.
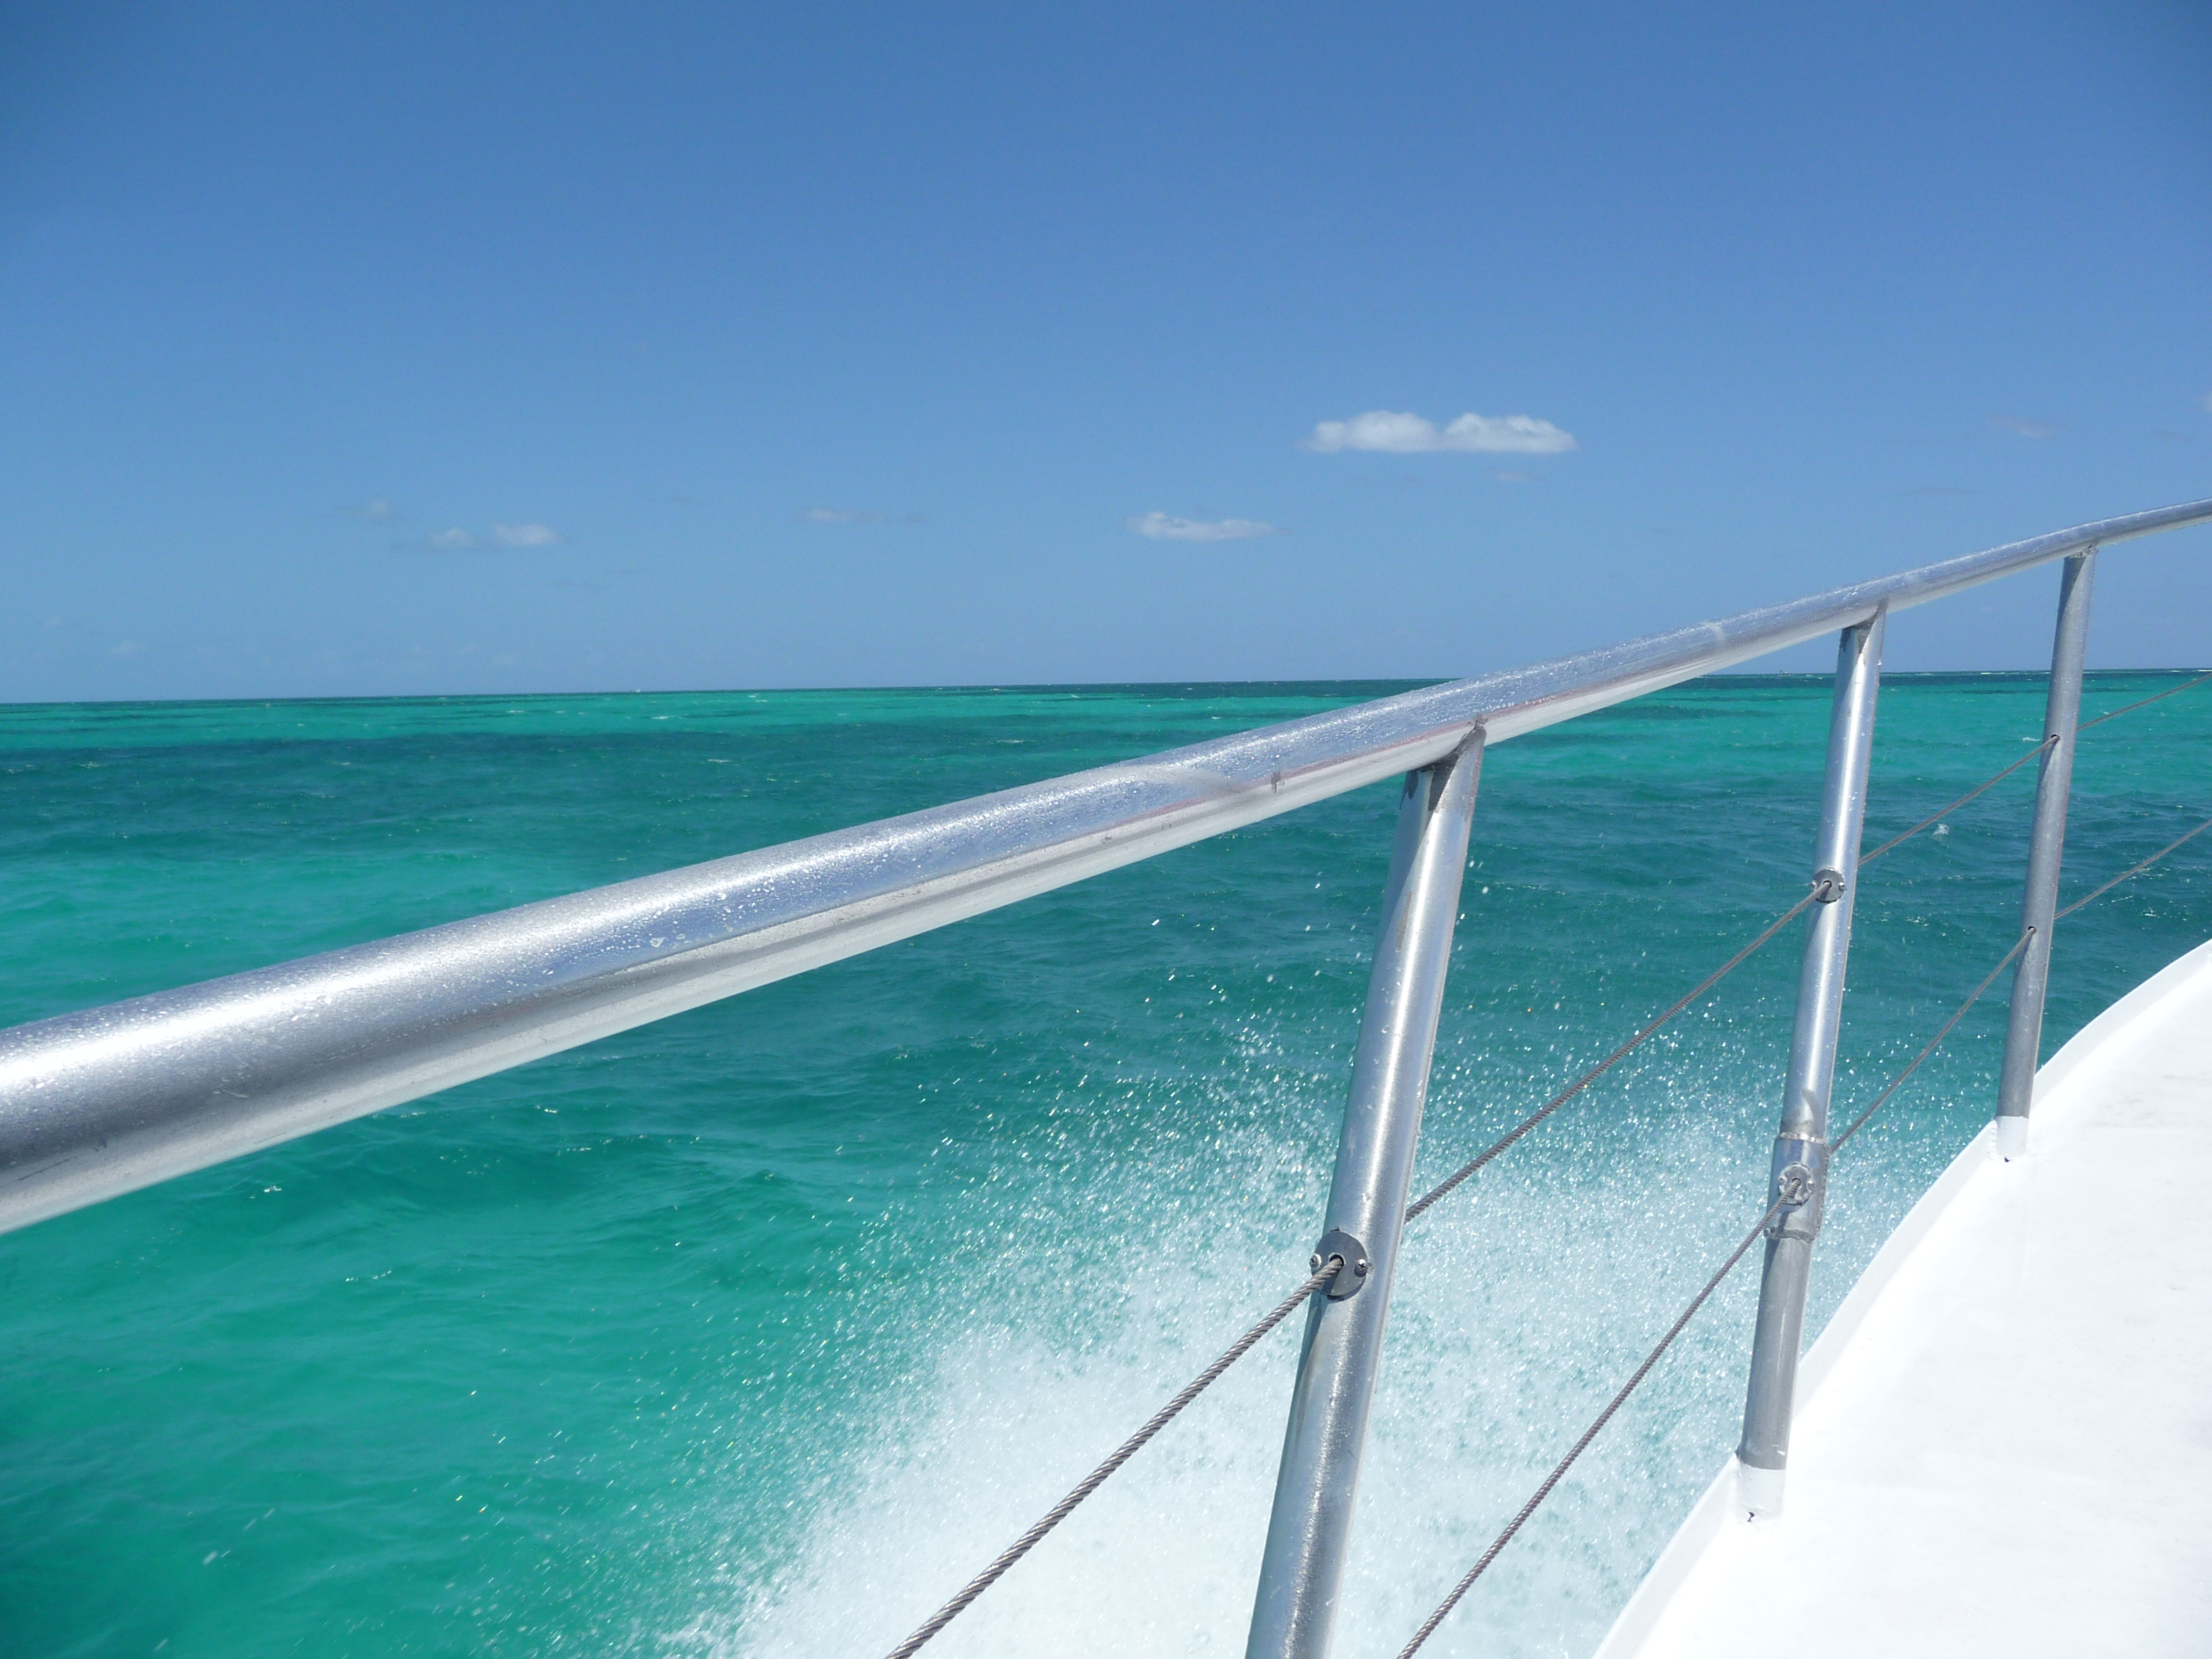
x=839 y=515
x=1160 y=528
x=2207 y=403
x=526 y=535
x=2038 y=430
x=457 y=539
x=1470 y=434
x=1503 y=476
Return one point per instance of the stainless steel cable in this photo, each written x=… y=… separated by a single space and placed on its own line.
x=2171 y=691
x=1943 y=812
x=1613 y=1406
x=1606 y=1064
x=1582 y=1444
x=1934 y=1043
x=2099 y=892
x=1521 y=1128
x=1704 y=1295
x=2033 y=754
x=2019 y=944
x=1128 y=1449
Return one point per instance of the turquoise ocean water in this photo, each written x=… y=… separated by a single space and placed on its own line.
x=759 y=1330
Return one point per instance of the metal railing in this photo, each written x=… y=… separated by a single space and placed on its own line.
x=100 y=1102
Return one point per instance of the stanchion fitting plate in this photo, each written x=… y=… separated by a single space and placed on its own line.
x=1827 y=887
x=1795 y=1183
x=1354 y=1273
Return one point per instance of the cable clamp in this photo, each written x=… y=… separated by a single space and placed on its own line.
x=1350 y=1277
x=1827 y=887
x=1794 y=1188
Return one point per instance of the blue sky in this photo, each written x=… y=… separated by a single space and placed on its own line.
x=350 y=350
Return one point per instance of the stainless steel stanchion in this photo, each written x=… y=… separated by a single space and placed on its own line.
x=2031 y=978
x=1799 y=1177
x=1311 y=1525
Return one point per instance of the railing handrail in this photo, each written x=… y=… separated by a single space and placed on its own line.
x=104 y=1100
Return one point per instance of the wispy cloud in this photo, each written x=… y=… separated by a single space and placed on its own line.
x=1397 y=434
x=456 y=539
x=526 y=535
x=376 y=511
x=2207 y=403
x=1162 y=528
x=2038 y=430
x=1504 y=475
x=839 y=515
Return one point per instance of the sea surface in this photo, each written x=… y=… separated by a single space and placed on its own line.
x=758 y=1331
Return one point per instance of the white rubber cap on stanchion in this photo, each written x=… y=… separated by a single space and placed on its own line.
x=1758 y=1493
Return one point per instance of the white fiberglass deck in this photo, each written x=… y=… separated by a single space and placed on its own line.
x=2003 y=1441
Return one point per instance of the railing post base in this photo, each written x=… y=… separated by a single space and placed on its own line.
x=1758 y=1492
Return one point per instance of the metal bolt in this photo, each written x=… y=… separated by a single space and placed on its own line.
x=1313 y=1264
x=1359 y=1269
